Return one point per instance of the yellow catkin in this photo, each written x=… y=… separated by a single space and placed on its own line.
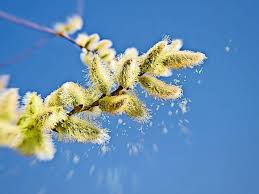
x=160 y=89
x=107 y=55
x=72 y=94
x=36 y=142
x=182 y=59
x=10 y=135
x=128 y=68
x=161 y=70
x=72 y=25
x=80 y=130
x=82 y=39
x=49 y=117
x=114 y=104
x=148 y=61
x=91 y=42
x=98 y=73
x=136 y=109
x=8 y=104
x=35 y=121
x=54 y=98
x=103 y=44
x=33 y=103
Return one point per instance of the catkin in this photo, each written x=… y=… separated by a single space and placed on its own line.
x=148 y=61
x=72 y=25
x=182 y=59
x=128 y=68
x=114 y=104
x=80 y=130
x=99 y=74
x=160 y=89
x=136 y=109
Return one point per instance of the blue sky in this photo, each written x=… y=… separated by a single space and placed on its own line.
x=217 y=149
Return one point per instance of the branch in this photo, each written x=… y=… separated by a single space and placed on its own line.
x=80 y=108
x=35 y=26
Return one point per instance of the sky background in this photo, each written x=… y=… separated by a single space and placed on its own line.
x=211 y=149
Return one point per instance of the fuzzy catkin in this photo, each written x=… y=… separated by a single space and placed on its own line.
x=136 y=109
x=114 y=104
x=80 y=130
x=34 y=122
x=72 y=25
x=148 y=61
x=182 y=59
x=160 y=89
x=98 y=73
x=128 y=68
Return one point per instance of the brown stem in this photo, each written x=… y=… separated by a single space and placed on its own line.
x=35 y=26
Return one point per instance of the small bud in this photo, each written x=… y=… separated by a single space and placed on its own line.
x=72 y=25
x=160 y=89
x=103 y=44
x=93 y=39
x=82 y=39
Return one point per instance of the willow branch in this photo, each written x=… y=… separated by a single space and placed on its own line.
x=35 y=26
x=80 y=108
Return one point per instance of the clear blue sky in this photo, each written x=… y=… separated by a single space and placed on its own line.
x=217 y=153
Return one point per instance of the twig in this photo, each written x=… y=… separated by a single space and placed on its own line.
x=80 y=108
x=35 y=26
